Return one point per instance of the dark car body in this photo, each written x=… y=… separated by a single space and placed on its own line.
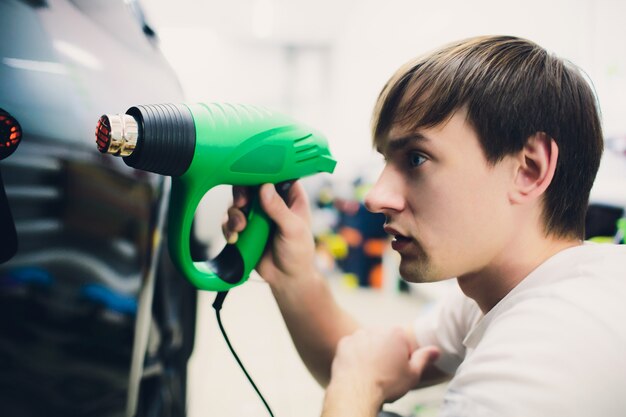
x=93 y=318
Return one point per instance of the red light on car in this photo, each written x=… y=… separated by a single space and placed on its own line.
x=10 y=134
x=103 y=134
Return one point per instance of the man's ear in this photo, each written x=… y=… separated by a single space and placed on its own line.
x=535 y=168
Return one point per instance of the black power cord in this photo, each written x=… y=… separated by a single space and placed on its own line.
x=217 y=305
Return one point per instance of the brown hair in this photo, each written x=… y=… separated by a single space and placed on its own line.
x=511 y=88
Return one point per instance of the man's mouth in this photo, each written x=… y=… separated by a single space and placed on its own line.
x=399 y=241
x=393 y=232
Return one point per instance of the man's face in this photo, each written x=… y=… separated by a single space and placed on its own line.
x=447 y=208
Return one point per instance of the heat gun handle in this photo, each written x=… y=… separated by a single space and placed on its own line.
x=235 y=262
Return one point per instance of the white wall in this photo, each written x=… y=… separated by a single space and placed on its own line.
x=378 y=38
x=331 y=79
x=333 y=85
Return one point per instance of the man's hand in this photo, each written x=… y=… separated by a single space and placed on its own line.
x=292 y=251
x=315 y=321
x=372 y=367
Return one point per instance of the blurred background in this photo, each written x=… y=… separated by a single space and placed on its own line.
x=100 y=323
x=325 y=62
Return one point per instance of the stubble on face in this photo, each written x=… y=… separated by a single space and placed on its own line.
x=416 y=266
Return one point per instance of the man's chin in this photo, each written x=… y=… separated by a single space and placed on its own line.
x=420 y=272
x=415 y=273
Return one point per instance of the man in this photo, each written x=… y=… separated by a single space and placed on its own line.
x=491 y=147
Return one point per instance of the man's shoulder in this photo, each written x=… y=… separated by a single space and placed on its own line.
x=555 y=347
x=584 y=297
x=598 y=256
x=580 y=277
x=578 y=316
x=558 y=353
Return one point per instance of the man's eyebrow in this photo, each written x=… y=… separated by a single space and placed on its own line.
x=393 y=145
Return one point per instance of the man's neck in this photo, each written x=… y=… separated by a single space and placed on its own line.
x=491 y=284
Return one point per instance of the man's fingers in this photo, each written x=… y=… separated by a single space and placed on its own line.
x=298 y=200
x=274 y=205
x=240 y=196
x=423 y=357
x=281 y=213
x=235 y=223
x=236 y=220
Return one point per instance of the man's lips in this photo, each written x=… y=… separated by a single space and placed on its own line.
x=400 y=241
x=393 y=232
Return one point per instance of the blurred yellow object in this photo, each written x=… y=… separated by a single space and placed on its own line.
x=602 y=239
x=361 y=191
x=350 y=280
x=326 y=196
x=621 y=231
x=335 y=244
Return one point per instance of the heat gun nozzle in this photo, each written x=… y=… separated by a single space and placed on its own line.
x=159 y=138
x=116 y=134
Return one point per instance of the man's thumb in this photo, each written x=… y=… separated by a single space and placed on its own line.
x=423 y=357
x=273 y=204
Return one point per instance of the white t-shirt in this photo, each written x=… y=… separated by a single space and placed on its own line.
x=554 y=346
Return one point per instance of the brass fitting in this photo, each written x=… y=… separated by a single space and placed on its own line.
x=116 y=134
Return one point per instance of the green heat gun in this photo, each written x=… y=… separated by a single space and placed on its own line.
x=203 y=145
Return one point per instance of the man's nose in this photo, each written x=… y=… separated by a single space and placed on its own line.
x=386 y=194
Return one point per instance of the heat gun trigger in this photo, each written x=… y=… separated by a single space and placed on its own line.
x=282 y=188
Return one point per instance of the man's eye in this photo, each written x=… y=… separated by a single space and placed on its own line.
x=416 y=159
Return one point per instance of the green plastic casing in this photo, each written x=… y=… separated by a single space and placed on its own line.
x=246 y=146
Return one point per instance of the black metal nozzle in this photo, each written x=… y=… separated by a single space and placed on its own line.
x=159 y=138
